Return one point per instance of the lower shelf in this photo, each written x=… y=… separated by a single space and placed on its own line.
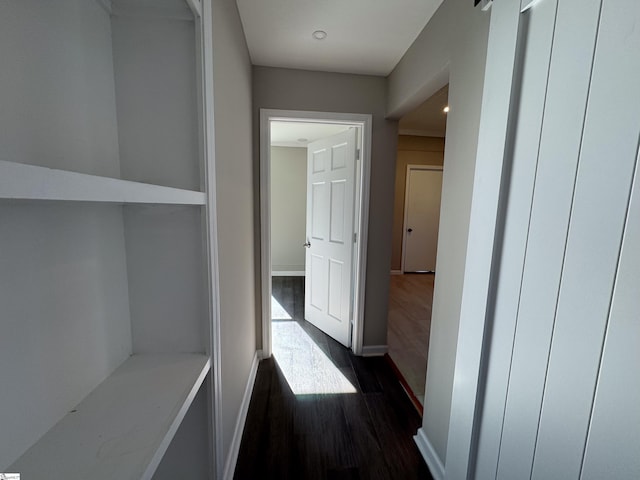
x=123 y=427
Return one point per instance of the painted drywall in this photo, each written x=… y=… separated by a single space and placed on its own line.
x=165 y=272
x=157 y=102
x=288 y=208
x=235 y=209
x=58 y=101
x=412 y=150
x=281 y=88
x=452 y=48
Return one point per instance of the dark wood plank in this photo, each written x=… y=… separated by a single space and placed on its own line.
x=365 y=435
x=364 y=368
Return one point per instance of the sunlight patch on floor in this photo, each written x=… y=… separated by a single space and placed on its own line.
x=306 y=367
x=277 y=311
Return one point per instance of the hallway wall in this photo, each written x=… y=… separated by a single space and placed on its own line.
x=451 y=48
x=287 y=89
x=288 y=208
x=235 y=192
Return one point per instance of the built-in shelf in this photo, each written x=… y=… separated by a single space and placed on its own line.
x=123 y=427
x=29 y=182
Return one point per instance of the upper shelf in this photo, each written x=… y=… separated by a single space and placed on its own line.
x=123 y=428
x=29 y=182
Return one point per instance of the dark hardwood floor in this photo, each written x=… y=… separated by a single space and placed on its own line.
x=363 y=435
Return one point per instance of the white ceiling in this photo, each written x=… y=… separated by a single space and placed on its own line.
x=289 y=134
x=428 y=118
x=363 y=36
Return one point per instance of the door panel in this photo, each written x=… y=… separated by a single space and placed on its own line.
x=317 y=282
x=338 y=206
x=533 y=75
x=318 y=212
x=570 y=405
x=562 y=124
x=424 y=189
x=330 y=227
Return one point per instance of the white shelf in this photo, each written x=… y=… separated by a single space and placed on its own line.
x=29 y=182
x=123 y=428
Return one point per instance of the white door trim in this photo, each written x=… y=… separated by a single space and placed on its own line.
x=485 y=229
x=361 y=120
x=204 y=47
x=406 y=201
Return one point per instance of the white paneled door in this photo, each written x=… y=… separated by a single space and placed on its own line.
x=330 y=233
x=422 y=217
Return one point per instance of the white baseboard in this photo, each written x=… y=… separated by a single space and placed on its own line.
x=429 y=454
x=374 y=350
x=234 y=449
x=287 y=273
x=396 y=272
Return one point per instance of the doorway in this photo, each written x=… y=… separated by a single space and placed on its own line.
x=419 y=173
x=421 y=218
x=325 y=259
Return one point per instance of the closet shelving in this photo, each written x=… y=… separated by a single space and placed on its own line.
x=105 y=241
x=29 y=182
x=150 y=392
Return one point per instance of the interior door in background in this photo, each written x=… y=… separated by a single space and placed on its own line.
x=422 y=217
x=330 y=225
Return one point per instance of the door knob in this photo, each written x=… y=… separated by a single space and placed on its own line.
x=307 y=245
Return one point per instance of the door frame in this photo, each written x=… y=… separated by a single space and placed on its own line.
x=412 y=166
x=364 y=121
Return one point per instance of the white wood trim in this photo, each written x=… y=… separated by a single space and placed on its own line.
x=397 y=272
x=374 y=350
x=287 y=273
x=484 y=225
x=527 y=4
x=363 y=237
x=265 y=229
x=196 y=7
x=365 y=122
x=234 y=448
x=406 y=210
x=532 y=94
x=29 y=182
x=153 y=12
x=204 y=29
x=429 y=454
x=154 y=391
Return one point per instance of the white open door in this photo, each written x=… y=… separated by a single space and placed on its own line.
x=422 y=218
x=330 y=234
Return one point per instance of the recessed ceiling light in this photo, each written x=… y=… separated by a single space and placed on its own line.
x=303 y=140
x=446 y=109
x=319 y=34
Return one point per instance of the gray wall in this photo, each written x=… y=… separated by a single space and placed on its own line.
x=58 y=109
x=235 y=198
x=280 y=88
x=452 y=47
x=288 y=208
x=155 y=101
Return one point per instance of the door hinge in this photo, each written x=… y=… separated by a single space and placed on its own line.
x=358 y=154
x=355 y=238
